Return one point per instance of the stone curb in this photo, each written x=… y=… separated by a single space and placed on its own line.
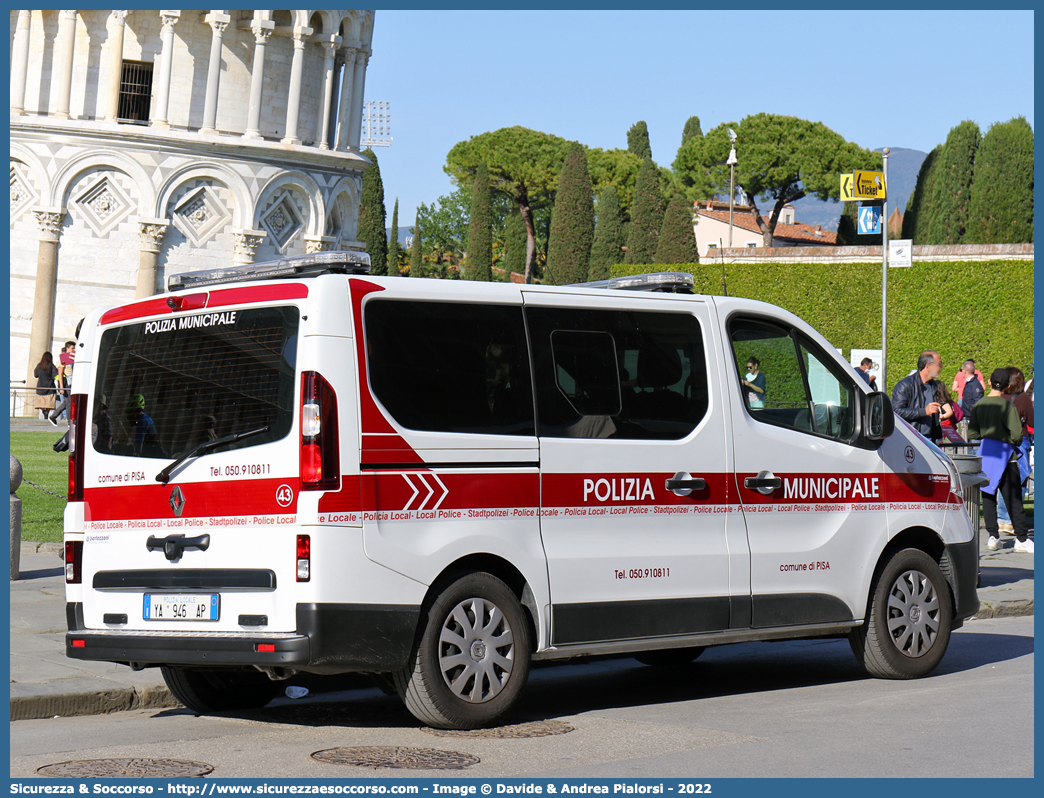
x=1004 y=609
x=29 y=547
x=100 y=702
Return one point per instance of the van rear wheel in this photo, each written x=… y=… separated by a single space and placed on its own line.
x=472 y=657
x=907 y=628
x=206 y=691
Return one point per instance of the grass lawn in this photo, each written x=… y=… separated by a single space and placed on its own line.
x=41 y=512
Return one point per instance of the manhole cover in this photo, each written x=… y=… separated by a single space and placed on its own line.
x=543 y=728
x=387 y=756
x=127 y=768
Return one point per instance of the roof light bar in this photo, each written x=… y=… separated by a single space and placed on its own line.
x=337 y=262
x=664 y=282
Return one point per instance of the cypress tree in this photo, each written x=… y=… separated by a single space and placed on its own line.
x=572 y=222
x=692 y=129
x=479 y=260
x=677 y=241
x=919 y=206
x=514 y=244
x=393 y=242
x=646 y=214
x=951 y=193
x=638 y=140
x=1001 y=209
x=372 y=217
x=609 y=237
x=416 y=253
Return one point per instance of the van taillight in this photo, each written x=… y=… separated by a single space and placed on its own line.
x=320 y=461
x=73 y=561
x=304 y=558
x=77 y=435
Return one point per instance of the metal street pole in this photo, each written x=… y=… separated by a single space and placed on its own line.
x=732 y=179
x=884 y=279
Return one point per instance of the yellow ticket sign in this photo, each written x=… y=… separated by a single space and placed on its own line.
x=868 y=185
x=847 y=188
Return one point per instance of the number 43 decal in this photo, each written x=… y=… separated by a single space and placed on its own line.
x=284 y=495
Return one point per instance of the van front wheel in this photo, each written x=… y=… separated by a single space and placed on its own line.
x=206 y=691
x=472 y=658
x=907 y=628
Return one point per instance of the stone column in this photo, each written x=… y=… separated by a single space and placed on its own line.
x=329 y=52
x=168 y=19
x=262 y=29
x=315 y=244
x=293 y=103
x=246 y=243
x=65 y=44
x=150 y=233
x=358 y=86
x=344 y=112
x=20 y=62
x=218 y=22
x=50 y=222
x=115 y=80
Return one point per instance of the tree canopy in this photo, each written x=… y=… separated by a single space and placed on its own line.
x=1001 y=208
x=952 y=189
x=572 y=221
x=646 y=215
x=479 y=265
x=677 y=240
x=781 y=159
x=609 y=236
x=918 y=207
x=638 y=140
x=416 y=251
x=393 y=242
x=372 y=227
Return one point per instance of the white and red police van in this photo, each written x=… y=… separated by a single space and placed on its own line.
x=297 y=467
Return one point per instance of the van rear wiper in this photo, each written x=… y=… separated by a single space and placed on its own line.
x=164 y=475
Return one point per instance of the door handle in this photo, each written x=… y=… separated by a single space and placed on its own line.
x=764 y=483
x=683 y=483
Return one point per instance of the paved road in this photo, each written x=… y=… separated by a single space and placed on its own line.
x=790 y=709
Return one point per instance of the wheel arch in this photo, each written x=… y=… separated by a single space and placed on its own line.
x=503 y=570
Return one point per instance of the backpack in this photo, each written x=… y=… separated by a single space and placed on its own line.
x=973 y=392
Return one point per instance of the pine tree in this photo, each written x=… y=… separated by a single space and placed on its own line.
x=638 y=140
x=1001 y=208
x=514 y=244
x=951 y=193
x=692 y=128
x=646 y=214
x=677 y=241
x=416 y=253
x=609 y=237
x=393 y=243
x=572 y=221
x=919 y=206
x=479 y=259
x=372 y=217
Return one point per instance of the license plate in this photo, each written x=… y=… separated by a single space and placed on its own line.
x=180 y=607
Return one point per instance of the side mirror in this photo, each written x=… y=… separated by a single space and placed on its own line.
x=878 y=417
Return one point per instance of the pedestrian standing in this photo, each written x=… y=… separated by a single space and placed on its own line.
x=995 y=422
x=970 y=386
x=913 y=397
x=45 y=373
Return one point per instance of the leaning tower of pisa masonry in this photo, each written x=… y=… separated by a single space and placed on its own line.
x=150 y=142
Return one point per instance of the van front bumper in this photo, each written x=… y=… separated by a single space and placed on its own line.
x=962 y=563
x=330 y=638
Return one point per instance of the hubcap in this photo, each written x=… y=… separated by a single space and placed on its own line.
x=913 y=614
x=476 y=650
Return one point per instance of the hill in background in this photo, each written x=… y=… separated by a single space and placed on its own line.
x=903 y=165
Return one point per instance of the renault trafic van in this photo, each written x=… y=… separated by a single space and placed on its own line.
x=297 y=467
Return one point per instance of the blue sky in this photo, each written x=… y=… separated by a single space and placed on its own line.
x=882 y=78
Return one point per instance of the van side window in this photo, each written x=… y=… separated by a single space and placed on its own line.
x=617 y=374
x=785 y=380
x=450 y=366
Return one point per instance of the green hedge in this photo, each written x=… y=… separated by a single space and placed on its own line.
x=982 y=310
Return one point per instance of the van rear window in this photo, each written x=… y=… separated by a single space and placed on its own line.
x=165 y=386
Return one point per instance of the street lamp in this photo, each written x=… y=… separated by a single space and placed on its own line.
x=732 y=179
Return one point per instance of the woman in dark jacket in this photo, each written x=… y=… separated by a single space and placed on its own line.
x=45 y=372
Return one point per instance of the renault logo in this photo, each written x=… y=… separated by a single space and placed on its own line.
x=177 y=501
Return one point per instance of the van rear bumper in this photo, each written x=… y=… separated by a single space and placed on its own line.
x=330 y=638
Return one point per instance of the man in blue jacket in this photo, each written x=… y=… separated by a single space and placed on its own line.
x=913 y=397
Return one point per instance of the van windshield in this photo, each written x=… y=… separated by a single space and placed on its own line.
x=166 y=386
